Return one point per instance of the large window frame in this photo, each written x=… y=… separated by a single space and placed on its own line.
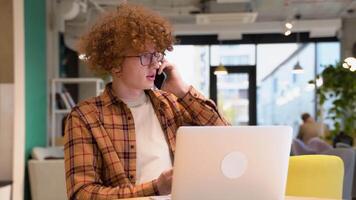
x=254 y=39
x=252 y=89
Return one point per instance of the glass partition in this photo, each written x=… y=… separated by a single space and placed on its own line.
x=192 y=62
x=233 y=97
x=281 y=95
x=233 y=55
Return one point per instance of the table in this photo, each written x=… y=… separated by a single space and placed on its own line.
x=287 y=198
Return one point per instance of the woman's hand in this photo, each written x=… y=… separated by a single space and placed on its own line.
x=174 y=82
x=164 y=182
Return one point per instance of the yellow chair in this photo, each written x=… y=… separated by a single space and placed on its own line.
x=315 y=176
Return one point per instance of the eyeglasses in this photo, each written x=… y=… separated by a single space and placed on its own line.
x=147 y=58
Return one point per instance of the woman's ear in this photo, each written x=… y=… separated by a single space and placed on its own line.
x=116 y=71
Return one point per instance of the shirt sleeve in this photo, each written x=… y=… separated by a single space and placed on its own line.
x=198 y=110
x=83 y=167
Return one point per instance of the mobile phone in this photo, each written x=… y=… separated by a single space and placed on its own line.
x=159 y=80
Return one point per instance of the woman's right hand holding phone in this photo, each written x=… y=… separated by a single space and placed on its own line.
x=174 y=82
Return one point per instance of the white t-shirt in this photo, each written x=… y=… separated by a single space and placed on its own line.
x=152 y=152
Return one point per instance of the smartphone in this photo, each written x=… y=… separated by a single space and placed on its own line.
x=159 y=80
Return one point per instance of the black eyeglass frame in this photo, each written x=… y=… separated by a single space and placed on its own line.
x=158 y=56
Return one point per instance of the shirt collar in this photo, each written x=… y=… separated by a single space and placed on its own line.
x=108 y=97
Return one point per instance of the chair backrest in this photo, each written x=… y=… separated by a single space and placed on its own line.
x=299 y=148
x=348 y=157
x=319 y=145
x=43 y=153
x=47 y=179
x=315 y=176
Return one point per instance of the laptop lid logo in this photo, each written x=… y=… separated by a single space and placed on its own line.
x=234 y=165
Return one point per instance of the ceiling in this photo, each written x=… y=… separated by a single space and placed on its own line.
x=268 y=10
x=322 y=18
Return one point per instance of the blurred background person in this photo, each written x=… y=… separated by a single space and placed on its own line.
x=310 y=128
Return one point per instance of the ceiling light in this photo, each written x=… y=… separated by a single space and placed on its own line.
x=287 y=32
x=353 y=68
x=289 y=25
x=319 y=82
x=297 y=69
x=233 y=1
x=220 y=70
x=351 y=61
x=345 y=65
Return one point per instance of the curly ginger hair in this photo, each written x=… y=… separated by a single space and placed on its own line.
x=128 y=27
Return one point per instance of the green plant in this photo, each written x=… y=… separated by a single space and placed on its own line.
x=339 y=87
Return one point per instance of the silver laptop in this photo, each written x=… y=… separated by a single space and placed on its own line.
x=223 y=163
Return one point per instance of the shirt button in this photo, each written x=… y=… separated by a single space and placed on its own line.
x=129 y=118
x=131 y=176
x=132 y=146
x=190 y=99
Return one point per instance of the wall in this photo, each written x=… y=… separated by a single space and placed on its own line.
x=19 y=101
x=6 y=89
x=6 y=130
x=6 y=42
x=348 y=38
x=12 y=93
x=35 y=77
x=86 y=90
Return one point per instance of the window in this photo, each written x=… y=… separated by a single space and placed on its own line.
x=233 y=54
x=192 y=62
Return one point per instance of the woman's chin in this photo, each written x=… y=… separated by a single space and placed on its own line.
x=149 y=86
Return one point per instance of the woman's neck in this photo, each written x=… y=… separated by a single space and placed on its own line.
x=123 y=92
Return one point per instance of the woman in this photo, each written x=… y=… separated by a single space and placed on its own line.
x=121 y=144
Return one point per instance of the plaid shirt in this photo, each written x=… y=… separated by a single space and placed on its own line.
x=100 y=144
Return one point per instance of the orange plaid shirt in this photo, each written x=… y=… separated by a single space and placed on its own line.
x=100 y=144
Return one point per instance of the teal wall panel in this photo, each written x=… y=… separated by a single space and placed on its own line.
x=35 y=78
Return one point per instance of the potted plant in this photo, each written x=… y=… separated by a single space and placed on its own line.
x=339 y=87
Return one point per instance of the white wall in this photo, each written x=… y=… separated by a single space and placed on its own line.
x=348 y=38
x=19 y=100
x=6 y=130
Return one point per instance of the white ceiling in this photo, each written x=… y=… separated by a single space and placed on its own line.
x=268 y=10
x=235 y=17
